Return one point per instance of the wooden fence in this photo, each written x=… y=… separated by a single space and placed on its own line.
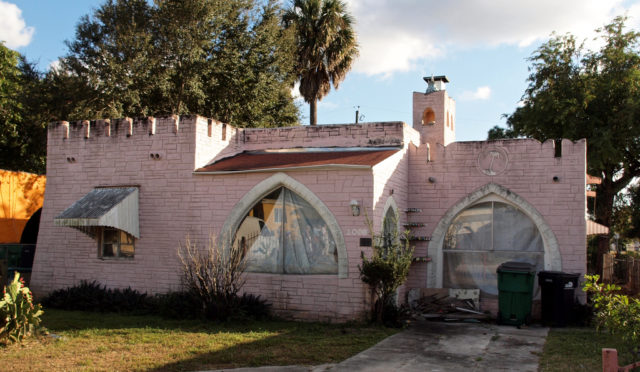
x=623 y=270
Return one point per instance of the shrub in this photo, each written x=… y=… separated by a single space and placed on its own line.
x=213 y=275
x=92 y=296
x=385 y=271
x=177 y=305
x=19 y=317
x=614 y=312
x=252 y=306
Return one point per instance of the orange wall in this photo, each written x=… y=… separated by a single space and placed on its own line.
x=21 y=195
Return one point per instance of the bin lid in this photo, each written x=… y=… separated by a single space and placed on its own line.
x=558 y=278
x=557 y=275
x=517 y=266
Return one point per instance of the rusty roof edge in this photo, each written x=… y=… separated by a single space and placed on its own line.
x=296 y=168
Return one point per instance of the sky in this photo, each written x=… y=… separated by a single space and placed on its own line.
x=482 y=47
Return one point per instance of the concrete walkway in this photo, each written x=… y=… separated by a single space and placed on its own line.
x=437 y=346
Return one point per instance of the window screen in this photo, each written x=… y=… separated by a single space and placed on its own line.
x=482 y=237
x=283 y=233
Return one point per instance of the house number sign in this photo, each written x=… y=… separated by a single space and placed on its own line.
x=493 y=161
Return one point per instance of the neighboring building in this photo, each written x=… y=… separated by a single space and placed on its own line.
x=21 y=197
x=296 y=198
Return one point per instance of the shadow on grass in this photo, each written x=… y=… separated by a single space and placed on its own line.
x=279 y=350
x=201 y=345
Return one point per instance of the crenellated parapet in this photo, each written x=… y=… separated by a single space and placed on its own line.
x=122 y=127
x=207 y=139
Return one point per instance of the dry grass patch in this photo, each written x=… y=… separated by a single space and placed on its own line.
x=100 y=342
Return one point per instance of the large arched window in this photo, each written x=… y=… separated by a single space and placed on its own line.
x=283 y=233
x=482 y=237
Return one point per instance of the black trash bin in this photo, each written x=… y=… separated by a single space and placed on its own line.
x=558 y=296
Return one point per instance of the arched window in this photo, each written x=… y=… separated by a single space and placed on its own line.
x=390 y=226
x=483 y=236
x=283 y=233
x=428 y=116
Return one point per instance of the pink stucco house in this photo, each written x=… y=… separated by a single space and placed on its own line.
x=123 y=194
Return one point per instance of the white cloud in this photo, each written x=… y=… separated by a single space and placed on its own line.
x=13 y=29
x=55 y=65
x=295 y=91
x=480 y=94
x=398 y=35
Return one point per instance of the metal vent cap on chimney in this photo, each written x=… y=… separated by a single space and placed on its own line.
x=435 y=83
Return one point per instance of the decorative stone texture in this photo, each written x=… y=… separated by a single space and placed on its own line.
x=175 y=203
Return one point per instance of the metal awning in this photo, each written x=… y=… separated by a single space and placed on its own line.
x=594 y=228
x=105 y=206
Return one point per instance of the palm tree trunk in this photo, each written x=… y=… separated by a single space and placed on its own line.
x=313 y=113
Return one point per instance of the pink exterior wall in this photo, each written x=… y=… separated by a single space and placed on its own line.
x=528 y=174
x=175 y=202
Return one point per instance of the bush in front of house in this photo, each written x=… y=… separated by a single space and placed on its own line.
x=615 y=312
x=92 y=296
x=19 y=317
x=214 y=275
x=385 y=271
x=176 y=305
x=186 y=305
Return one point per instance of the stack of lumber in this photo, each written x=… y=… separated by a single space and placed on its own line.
x=439 y=305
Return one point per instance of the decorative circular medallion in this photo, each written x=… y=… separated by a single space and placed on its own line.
x=493 y=161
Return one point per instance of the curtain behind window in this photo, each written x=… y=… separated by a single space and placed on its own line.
x=484 y=236
x=293 y=238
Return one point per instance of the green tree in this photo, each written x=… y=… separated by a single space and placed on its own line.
x=326 y=47
x=626 y=213
x=113 y=55
x=576 y=93
x=22 y=129
x=222 y=59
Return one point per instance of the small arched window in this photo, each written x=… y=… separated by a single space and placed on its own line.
x=283 y=233
x=428 y=116
x=390 y=227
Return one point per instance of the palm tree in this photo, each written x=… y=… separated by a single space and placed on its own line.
x=326 y=47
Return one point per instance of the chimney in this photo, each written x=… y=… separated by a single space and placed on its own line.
x=434 y=112
x=435 y=83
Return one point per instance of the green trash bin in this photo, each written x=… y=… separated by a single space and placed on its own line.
x=515 y=292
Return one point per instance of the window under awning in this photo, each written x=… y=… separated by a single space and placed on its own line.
x=104 y=206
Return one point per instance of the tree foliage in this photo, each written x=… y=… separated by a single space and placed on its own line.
x=387 y=268
x=326 y=47
x=22 y=130
x=615 y=312
x=230 y=60
x=577 y=93
x=626 y=213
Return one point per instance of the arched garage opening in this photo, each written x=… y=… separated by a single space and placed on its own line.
x=489 y=226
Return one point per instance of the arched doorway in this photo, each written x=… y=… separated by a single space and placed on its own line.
x=487 y=224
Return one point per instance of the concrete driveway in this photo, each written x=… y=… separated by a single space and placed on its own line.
x=438 y=346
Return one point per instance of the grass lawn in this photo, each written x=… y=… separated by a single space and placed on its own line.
x=95 y=342
x=580 y=349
